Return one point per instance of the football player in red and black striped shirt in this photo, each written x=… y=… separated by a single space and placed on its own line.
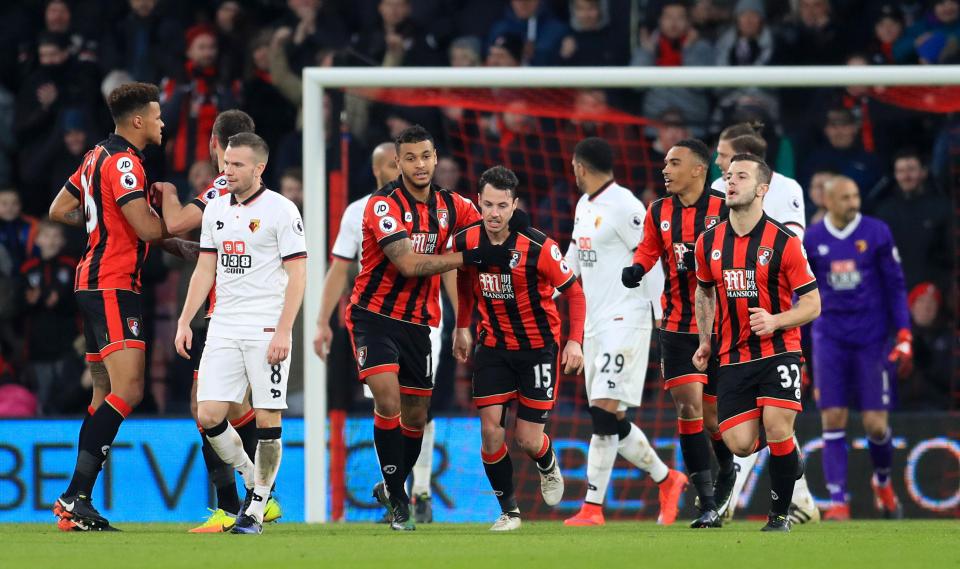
x=670 y=231
x=395 y=300
x=107 y=194
x=519 y=334
x=751 y=266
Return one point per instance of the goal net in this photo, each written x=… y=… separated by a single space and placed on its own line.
x=520 y=123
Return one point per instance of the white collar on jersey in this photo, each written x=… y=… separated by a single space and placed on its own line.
x=846 y=231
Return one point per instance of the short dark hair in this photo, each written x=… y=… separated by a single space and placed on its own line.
x=412 y=135
x=229 y=123
x=500 y=178
x=130 y=98
x=907 y=154
x=741 y=129
x=698 y=148
x=252 y=141
x=764 y=173
x=749 y=144
x=595 y=153
x=294 y=172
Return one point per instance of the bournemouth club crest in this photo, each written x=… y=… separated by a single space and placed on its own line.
x=134 y=325
x=709 y=221
x=361 y=355
x=442 y=218
x=764 y=255
x=515 y=258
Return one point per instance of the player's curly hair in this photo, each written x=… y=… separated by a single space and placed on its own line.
x=699 y=149
x=413 y=135
x=595 y=153
x=500 y=178
x=130 y=98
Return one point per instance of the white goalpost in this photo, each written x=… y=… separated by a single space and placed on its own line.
x=315 y=80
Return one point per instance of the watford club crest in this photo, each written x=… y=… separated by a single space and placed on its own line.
x=254 y=225
x=764 y=255
x=861 y=245
x=134 y=325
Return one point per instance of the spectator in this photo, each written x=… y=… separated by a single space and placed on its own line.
x=505 y=51
x=472 y=18
x=200 y=176
x=920 y=221
x=932 y=361
x=813 y=36
x=18 y=232
x=316 y=28
x=50 y=315
x=273 y=113
x=291 y=186
x=396 y=40
x=591 y=41
x=58 y=19
x=815 y=196
x=670 y=129
x=887 y=30
x=448 y=174
x=56 y=84
x=190 y=101
x=675 y=42
x=844 y=153
x=46 y=170
x=16 y=401
x=935 y=38
x=232 y=33
x=749 y=41
x=142 y=43
x=540 y=32
x=465 y=52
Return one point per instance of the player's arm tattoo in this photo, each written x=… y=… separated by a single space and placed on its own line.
x=187 y=250
x=74 y=218
x=705 y=302
x=401 y=254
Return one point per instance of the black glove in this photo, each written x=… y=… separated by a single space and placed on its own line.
x=519 y=221
x=488 y=255
x=631 y=276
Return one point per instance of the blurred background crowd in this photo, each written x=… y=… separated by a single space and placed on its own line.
x=59 y=58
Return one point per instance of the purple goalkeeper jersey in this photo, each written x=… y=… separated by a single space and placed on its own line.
x=862 y=294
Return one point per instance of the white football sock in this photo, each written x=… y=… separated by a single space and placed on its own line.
x=636 y=448
x=269 y=452
x=229 y=448
x=423 y=468
x=744 y=467
x=600 y=459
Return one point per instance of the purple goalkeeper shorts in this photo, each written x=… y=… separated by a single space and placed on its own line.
x=858 y=377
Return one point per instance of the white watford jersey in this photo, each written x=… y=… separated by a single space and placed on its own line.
x=349 y=243
x=783 y=203
x=252 y=240
x=607 y=228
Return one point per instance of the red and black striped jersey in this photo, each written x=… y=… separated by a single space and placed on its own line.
x=670 y=232
x=517 y=311
x=391 y=214
x=763 y=268
x=110 y=176
x=218 y=187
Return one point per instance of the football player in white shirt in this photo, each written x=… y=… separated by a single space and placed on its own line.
x=252 y=243
x=346 y=255
x=608 y=226
x=783 y=203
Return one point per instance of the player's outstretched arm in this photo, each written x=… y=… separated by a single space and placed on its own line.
x=705 y=304
x=187 y=250
x=333 y=285
x=410 y=264
x=66 y=209
x=572 y=357
x=200 y=284
x=280 y=344
x=178 y=218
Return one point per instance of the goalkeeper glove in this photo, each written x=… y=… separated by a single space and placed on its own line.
x=902 y=353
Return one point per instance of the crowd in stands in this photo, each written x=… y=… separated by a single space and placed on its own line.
x=59 y=58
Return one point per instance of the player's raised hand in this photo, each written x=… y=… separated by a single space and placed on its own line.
x=762 y=323
x=902 y=353
x=183 y=341
x=632 y=275
x=572 y=358
x=279 y=347
x=462 y=343
x=322 y=340
x=701 y=358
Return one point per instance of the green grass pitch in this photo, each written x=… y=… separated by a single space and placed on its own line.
x=740 y=545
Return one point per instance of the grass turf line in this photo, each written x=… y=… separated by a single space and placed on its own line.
x=870 y=545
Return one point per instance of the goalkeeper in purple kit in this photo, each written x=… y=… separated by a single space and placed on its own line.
x=864 y=306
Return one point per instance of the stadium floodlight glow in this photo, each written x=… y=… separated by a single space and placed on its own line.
x=315 y=80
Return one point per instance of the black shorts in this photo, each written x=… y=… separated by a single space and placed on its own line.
x=382 y=344
x=748 y=387
x=676 y=363
x=500 y=376
x=196 y=348
x=111 y=321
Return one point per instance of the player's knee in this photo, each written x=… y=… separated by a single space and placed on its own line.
x=208 y=417
x=688 y=409
x=493 y=434
x=604 y=422
x=834 y=418
x=874 y=427
x=100 y=377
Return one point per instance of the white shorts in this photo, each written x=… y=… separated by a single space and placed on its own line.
x=435 y=341
x=615 y=364
x=229 y=366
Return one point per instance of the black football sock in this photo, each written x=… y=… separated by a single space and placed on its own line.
x=389 y=444
x=723 y=454
x=499 y=469
x=98 y=437
x=784 y=462
x=696 y=455
x=222 y=477
x=412 y=444
x=546 y=458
